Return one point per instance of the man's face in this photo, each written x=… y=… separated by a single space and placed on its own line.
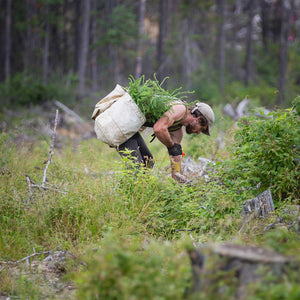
x=195 y=126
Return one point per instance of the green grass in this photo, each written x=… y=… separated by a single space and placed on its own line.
x=129 y=230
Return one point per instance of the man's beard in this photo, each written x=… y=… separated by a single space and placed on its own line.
x=188 y=129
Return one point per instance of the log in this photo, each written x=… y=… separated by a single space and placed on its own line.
x=69 y=111
x=230 y=268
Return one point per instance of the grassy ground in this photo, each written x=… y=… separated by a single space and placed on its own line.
x=126 y=232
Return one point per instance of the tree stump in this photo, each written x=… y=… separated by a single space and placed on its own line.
x=228 y=269
x=260 y=206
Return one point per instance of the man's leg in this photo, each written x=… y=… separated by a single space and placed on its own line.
x=132 y=146
x=138 y=148
x=145 y=152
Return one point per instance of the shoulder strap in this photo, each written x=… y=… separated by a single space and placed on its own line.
x=177 y=125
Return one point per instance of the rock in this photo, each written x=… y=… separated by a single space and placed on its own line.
x=192 y=169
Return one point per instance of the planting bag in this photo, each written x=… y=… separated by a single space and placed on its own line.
x=117 y=117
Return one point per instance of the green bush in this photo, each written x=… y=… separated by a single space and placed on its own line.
x=125 y=267
x=22 y=89
x=266 y=154
x=259 y=93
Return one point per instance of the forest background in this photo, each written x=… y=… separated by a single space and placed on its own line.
x=221 y=49
x=125 y=235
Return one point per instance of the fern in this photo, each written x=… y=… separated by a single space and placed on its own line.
x=151 y=98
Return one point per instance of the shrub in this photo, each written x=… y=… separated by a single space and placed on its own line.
x=266 y=154
x=125 y=267
x=22 y=89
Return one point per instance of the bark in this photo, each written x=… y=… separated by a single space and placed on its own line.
x=138 y=69
x=249 y=42
x=84 y=44
x=261 y=206
x=46 y=47
x=7 y=39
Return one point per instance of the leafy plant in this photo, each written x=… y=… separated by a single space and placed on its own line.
x=266 y=155
x=151 y=98
x=126 y=267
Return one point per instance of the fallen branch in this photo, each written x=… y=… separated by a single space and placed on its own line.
x=68 y=111
x=51 y=151
x=31 y=184
x=27 y=258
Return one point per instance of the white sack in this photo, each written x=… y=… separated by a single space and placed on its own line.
x=120 y=121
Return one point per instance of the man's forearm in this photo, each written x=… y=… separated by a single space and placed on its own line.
x=165 y=138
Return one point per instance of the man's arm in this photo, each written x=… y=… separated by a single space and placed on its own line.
x=160 y=129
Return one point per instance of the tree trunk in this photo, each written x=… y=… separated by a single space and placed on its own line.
x=64 y=40
x=249 y=42
x=285 y=21
x=46 y=47
x=113 y=51
x=138 y=69
x=7 y=39
x=94 y=71
x=221 y=43
x=84 y=44
x=265 y=23
x=27 y=52
x=77 y=41
x=161 y=39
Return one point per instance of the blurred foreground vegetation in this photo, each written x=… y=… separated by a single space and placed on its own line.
x=129 y=231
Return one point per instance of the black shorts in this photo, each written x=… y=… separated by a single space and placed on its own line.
x=138 y=150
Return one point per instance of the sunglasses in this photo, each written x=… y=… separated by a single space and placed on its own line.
x=203 y=121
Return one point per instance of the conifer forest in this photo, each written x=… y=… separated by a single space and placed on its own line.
x=78 y=221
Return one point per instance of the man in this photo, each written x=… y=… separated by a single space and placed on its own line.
x=168 y=129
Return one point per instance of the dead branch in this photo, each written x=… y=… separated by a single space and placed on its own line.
x=29 y=186
x=51 y=151
x=27 y=259
x=68 y=111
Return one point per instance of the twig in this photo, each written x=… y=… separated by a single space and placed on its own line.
x=51 y=151
x=29 y=186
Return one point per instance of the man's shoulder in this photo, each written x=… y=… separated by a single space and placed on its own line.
x=179 y=107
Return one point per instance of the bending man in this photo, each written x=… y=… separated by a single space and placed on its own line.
x=168 y=129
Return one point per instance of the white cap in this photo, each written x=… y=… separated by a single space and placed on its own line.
x=207 y=112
